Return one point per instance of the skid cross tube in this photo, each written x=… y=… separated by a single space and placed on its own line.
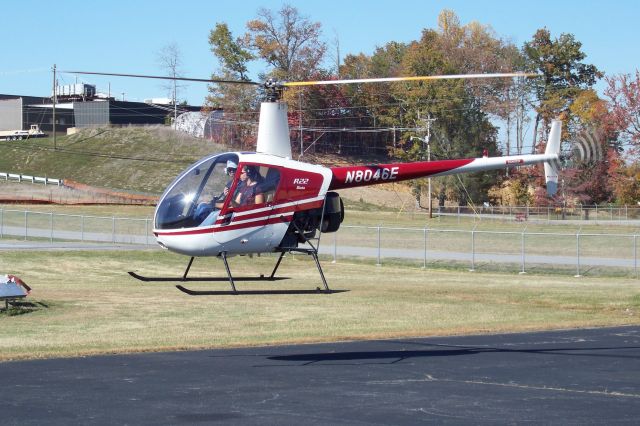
x=277 y=265
x=184 y=276
x=226 y=265
x=313 y=252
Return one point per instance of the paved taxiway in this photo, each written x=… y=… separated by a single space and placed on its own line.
x=564 y=377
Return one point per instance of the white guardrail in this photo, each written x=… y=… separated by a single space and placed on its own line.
x=32 y=179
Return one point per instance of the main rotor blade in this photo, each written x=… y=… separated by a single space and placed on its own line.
x=205 y=80
x=418 y=78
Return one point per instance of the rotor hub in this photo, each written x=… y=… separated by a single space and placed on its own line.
x=273 y=89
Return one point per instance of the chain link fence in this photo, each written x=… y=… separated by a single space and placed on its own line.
x=522 y=213
x=577 y=253
x=29 y=225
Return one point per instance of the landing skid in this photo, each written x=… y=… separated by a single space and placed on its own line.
x=253 y=292
x=201 y=279
x=312 y=252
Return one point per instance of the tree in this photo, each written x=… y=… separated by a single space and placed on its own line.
x=462 y=128
x=231 y=53
x=623 y=93
x=588 y=176
x=626 y=183
x=289 y=42
x=563 y=75
x=233 y=58
x=170 y=60
x=237 y=100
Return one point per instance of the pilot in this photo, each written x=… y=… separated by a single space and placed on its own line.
x=231 y=171
x=204 y=209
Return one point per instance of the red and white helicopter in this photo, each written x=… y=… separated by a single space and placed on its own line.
x=274 y=204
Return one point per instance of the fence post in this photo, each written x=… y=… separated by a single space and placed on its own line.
x=378 y=264
x=424 y=265
x=335 y=247
x=577 y=275
x=473 y=249
x=522 y=251
x=635 y=255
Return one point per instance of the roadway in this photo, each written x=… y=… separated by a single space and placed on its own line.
x=569 y=377
x=97 y=241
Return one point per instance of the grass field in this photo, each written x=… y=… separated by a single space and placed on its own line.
x=143 y=158
x=84 y=303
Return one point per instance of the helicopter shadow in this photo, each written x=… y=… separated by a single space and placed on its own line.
x=359 y=357
x=395 y=356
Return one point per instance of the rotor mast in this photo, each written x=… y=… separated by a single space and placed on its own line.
x=273 y=125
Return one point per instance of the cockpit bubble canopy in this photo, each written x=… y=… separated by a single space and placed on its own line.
x=196 y=193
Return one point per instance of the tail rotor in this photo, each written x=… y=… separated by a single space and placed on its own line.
x=587 y=148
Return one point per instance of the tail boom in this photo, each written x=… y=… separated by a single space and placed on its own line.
x=355 y=176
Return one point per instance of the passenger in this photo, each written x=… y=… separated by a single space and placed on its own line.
x=231 y=171
x=248 y=191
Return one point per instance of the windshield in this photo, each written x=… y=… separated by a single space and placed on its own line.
x=196 y=196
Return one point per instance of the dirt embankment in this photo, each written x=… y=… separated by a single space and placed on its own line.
x=69 y=193
x=393 y=196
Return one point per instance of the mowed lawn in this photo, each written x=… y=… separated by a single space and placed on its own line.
x=84 y=302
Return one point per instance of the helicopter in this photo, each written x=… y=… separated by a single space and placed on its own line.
x=246 y=203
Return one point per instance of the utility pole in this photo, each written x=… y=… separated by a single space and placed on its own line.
x=429 y=159
x=300 y=122
x=337 y=56
x=426 y=140
x=175 y=101
x=53 y=113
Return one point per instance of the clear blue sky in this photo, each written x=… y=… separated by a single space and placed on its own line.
x=125 y=36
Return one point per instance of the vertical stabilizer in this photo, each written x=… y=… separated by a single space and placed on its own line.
x=553 y=149
x=273 y=130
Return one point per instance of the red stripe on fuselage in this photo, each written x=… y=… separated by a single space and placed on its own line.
x=276 y=215
x=230 y=227
x=188 y=231
x=246 y=215
x=253 y=224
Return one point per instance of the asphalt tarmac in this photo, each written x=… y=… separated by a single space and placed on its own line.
x=565 y=377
